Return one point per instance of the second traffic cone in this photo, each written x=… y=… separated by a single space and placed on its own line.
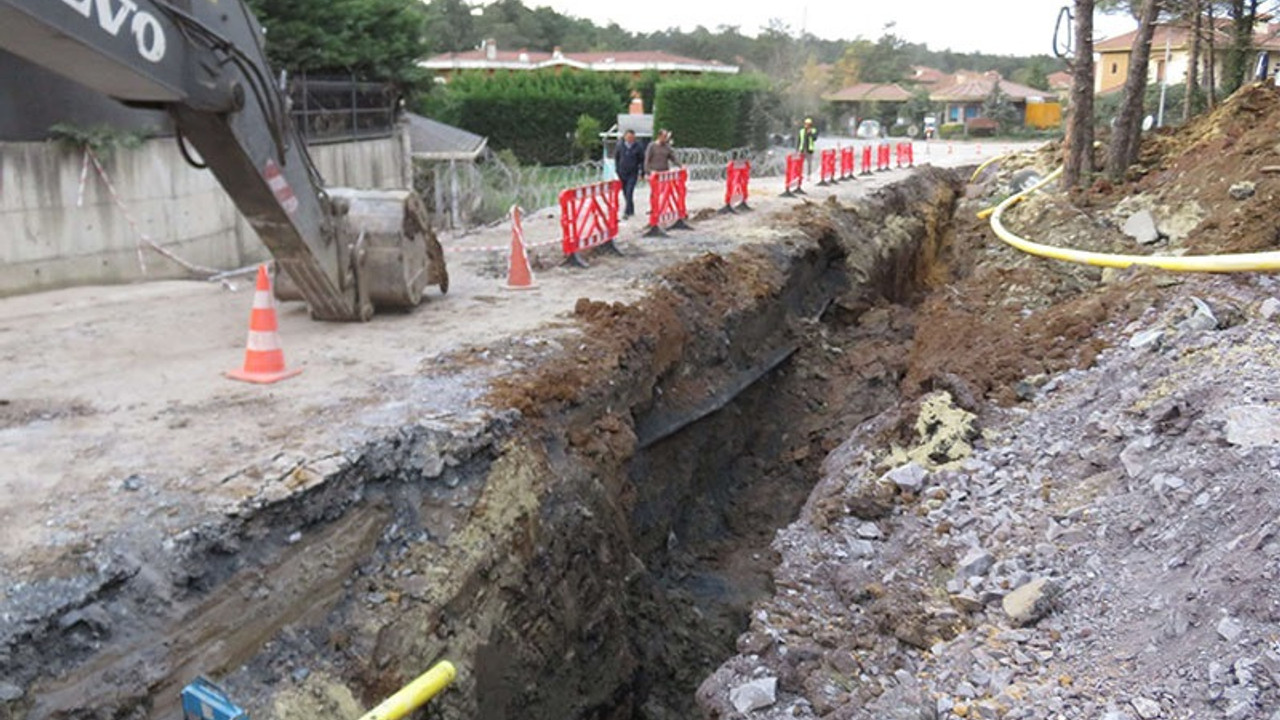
x=519 y=274
x=263 y=358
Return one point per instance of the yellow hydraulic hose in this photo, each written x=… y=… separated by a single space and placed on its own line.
x=415 y=694
x=1243 y=262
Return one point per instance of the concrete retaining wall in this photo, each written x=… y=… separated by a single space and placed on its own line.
x=47 y=242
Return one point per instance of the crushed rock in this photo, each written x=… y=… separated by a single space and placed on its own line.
x=1105 y=552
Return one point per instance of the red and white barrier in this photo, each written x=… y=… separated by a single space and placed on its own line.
x=847 y=164
x=904 y=155
x=588 y=218
x=884 y=157
x=827 y=168
x=866 y=159
x=737 y=186
x=667 y=193
x=795 y=176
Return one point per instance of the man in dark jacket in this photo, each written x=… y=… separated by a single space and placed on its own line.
x=628 y=159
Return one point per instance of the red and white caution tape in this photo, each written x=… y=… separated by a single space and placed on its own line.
x=143 y=239
x=498 y=248
x=502 y=248
x=84 y=178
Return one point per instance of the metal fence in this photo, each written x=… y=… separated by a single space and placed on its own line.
x=339 y=109
x=462 y=195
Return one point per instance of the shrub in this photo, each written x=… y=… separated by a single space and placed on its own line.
x=536 y=115
x=587 y=136
x=951 y=130
x=716 y=112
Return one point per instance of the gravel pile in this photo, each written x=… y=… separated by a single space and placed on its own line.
x=1109 y=549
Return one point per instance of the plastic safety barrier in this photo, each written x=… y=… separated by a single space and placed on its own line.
x=866 y=159
x=588 y=217
x=827 y=168
x=795 y=176
x=737 y=186
x=884 y=157
x=667 y=192
x=1240 y=262
x=848 y=162
x=904 y=155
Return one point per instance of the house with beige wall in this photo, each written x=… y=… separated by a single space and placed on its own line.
x=1170 y=53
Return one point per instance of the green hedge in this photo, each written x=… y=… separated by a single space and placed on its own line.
x=716 y=112
x=951 y=130
x=533 y=114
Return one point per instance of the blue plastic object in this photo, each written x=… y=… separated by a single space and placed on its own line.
x=202 y=700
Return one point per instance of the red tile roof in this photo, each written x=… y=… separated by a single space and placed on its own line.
x=1178 y=37
x=1060 y=81
x=869 y=92
x=974 y=87
x=516 y=59
x=926 y=75
x=639 y=56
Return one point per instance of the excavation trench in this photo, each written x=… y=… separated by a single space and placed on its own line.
x=594 y=556
x=628 y=522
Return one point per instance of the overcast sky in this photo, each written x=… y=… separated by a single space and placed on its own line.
x=1009 y=27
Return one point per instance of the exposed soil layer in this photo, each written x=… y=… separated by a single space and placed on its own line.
x=590 y=549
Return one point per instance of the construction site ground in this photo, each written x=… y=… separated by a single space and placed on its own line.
x=115 y=418
x=930 y=476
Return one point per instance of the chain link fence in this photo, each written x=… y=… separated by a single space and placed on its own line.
x=462 y=195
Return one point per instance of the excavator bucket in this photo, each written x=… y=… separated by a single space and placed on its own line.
x=389 y=243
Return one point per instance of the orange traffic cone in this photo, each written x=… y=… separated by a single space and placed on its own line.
x=263 y=358
x=519 y=274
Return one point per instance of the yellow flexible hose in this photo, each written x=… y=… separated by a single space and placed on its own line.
x=1242 y=262
x=984 y=166
x=415 y=694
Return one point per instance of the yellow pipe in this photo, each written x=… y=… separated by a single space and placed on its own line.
x=1242 y=262
x=415 y=694
x=985 y=165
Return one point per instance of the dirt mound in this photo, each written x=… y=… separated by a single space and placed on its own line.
x=1201 y=162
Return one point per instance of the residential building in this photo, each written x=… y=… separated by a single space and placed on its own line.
x=489 y=58
x=1170 y=53
x=961 y=96
x=964 y=94
x=878 y=101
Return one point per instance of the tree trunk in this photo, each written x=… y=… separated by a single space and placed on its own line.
x=1211 y=64
x=1128 y=132
x=1079 y=142
x=1193 y=66
x=1238 y=64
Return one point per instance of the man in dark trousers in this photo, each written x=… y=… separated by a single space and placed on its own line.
x=807 y=145
x=628 y=159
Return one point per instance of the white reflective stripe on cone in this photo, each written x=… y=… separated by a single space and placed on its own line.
x=263 y=341
x=262 y=299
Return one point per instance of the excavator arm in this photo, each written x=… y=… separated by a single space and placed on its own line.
x=346 y=251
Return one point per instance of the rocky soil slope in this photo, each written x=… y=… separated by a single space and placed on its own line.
x=1080 y=518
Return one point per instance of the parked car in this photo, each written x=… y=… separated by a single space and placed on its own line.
x=869 y=129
